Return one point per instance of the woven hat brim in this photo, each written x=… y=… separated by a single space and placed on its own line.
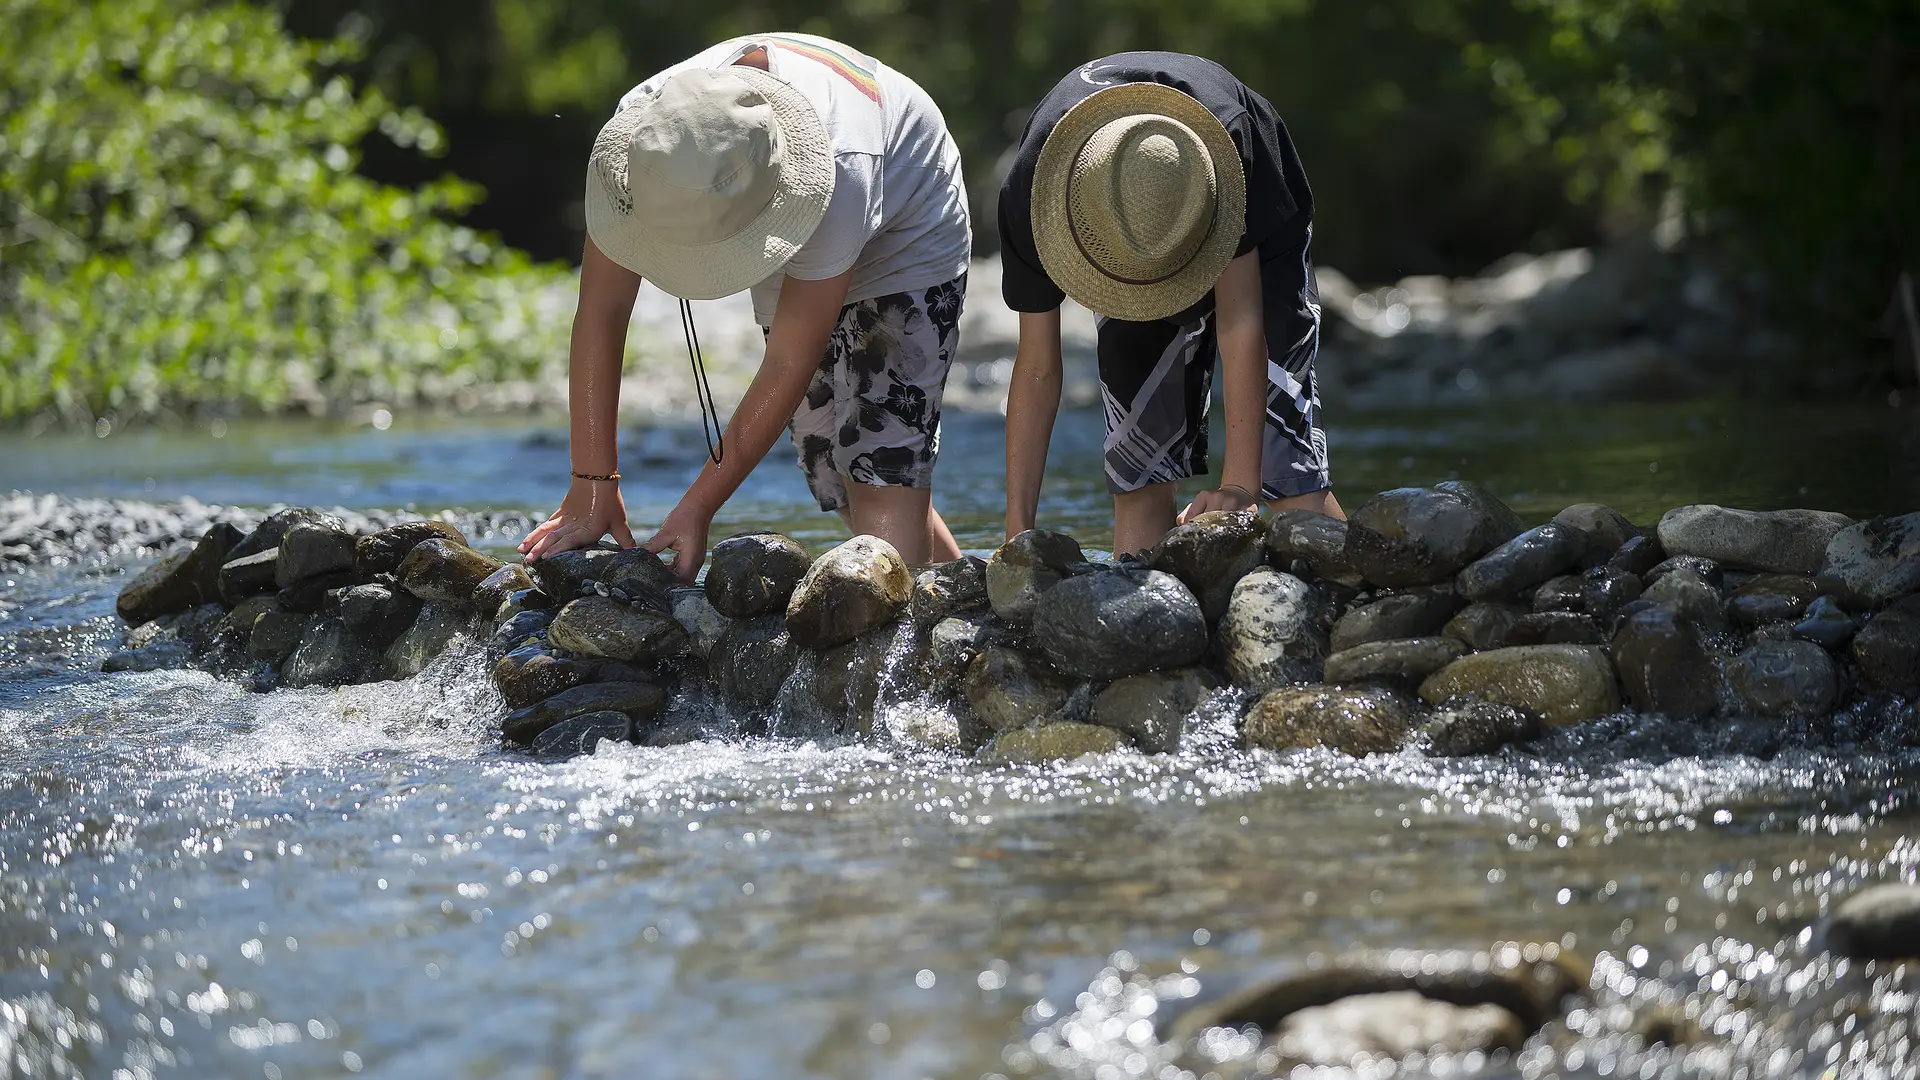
x=726 y=266
x=1060 y=253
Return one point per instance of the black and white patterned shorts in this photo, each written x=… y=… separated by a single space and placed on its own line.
x=872 y=411
x=1156 y=382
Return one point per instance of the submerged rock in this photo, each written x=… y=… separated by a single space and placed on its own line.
x=859 y=586
x=1523 y=563
x=600 y=626
x=383 y=552
x=1562 y=684
x=951 y=646
x=582 y=734
x=1404 y=662
x=1663 y=665
x=1770 y=598
x=855 y=676
x=1482 y=626
x=1006 y=690
x=1784 y=678
x=1211 y=553
x=1554 y=628
x=1051 y=742
x=755 y=573
x=1319 y=541
x=1888 y=649
x=948 y=589
x=641 y=702
x=328 y=655
x=1115 y=623
x=1603 y=530
x=1397 y=1024
x=1273 y=632
x=1880 y=922
x=1026 y=566
x=1151 y=709
x=178 y=581
x=1779 y=541
x=1875 y=562
x=1418 y=613
x=1474 y=728
x=752 y=661
x=434 y=627
x=1826 y=624
x=1423 y=536
x=1358 y=721
x=312 y=549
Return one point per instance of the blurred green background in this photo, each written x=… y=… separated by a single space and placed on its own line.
x=281 y=204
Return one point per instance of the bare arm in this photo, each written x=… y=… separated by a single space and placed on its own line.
x=1033 y=401
x=1240 y=326
x=593 y=508
x=801 y=326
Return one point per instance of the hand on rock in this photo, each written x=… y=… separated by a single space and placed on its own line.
x=1224 y=497
x=591 y=510
x=685 y=531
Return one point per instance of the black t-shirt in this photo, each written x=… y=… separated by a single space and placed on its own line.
x=1279 y=204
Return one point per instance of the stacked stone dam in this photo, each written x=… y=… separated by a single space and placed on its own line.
x=1433 y=617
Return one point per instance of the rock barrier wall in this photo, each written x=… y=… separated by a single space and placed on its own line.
x=1433 y=618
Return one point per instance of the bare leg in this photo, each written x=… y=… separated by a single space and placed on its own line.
x=903 y=517
x=1141 y=518
x=1320 y=502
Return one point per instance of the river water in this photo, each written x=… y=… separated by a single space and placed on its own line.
x=197 y=881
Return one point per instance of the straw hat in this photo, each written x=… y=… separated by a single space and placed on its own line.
x=1139 y=201
x=711 y=184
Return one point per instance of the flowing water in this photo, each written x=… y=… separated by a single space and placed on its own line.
x=197 y=881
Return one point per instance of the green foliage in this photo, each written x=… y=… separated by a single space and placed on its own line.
x=182 y=225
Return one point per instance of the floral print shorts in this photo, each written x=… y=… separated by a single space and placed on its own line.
x=872 y=412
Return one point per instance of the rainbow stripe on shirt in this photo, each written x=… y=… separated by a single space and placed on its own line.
x=849 y=65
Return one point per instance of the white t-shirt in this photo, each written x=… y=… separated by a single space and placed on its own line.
x=898 y=216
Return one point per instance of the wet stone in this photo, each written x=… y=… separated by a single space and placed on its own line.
x=1522 y=563
x=165 y=653
x=1888 y=649
x=1404 y=662
x=751 y=662
x=948 y=589
x=581 y=734
x=532 y=672
x=1770 y=598
x=439 y=569
x=314 y=593
x=697 y=616
x=1880 y=922
x=178 y=581
x=1482 y=626
x=275 y=634
x=1692 y=596
x=1393 y=1025
x=494 y=589
x=236 y=626
x=642 y=701
x=1707 y=570
x=1778 y=541
x=1562 y=684
x=1564 y=593
x=327 y=655
x=851 y=677
x=1006 y=690
x=1663 y=666
x=1273 y=632
x=1872 y=563
x=382 y=552
x=311 y=549
x=376 y=613
x=1357 y=721
x=1605 y=591
x=1638 y=556
x=1151 y=709
x=1026 y=566
x=515 y=632
x=1784 y=678
x=524 y=600
x=952 y=645
x=1115 y=623
x=598 y=626
x=1051 y=742
x=568 y=575
x=1603 y=531
x=1417 y=613
x=433 y=629
x=1319 y=541
x=1826 y=624
x=1423 y=536
x=247 y=576
x=267 y=535
x=858 y=586
x=754 y=573
x=1554 y=628
x=1475 y=728
x=1211 y=553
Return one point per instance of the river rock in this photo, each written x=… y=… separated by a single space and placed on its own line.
x=1115 y=623
x=382 y=552
x=599 y=626
x=1211 y=553
x=275 y=634
x=1151 y=709
x=1319 y=541
x=534 y=599
x=315 y=593
x=494 y=589
x=1784 y=678
x=1826 y=624
x=1692 y=596
x=439 y=569
x=1706 y=569
x=1605 y=591
x=328 y=655
x=582 y=734
x=1880 y=922
x=517 y=631
x=1482 y=626
x=1416 y=613
x=1554 y=628
x=267 y=535
x=1771 y=598
x=1399 y=1024
x=1404 y=662
x=1522 y=563
x=754 y=573
x=310 y=549
x=532 y=672
x=951 y=646
x=859 y=586
x=434 y=628
x=751 y=662
x=696 y=614
x=1638 y=556
x=1026 y=566
x=1564 y=593
x=1051 y=742
x=186 y=578
x=640 y=701
x=1873 y=563
x=1423 y=536
x=1006 y=690
x=1888 y=648
x=247 y=576
x=1562 y=684
x=1663 y=665
x=236 y=626
x=1602 y=529
x=1358 y=721
x=1475 y=728
x=1780 y=541
x=377 y=614
x=854 y=676
x=1273 y=632
x=639 y=574
x=948 y=589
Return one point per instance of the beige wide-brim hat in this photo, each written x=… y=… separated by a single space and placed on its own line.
x=1139 y=201
x=711 y=184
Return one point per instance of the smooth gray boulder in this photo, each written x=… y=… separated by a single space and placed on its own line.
x=439 y=569
x=1416 y=613
x=1778 y=541
x=859 y=586
x=1061 y=741
x=751 y=661
x=434 y=628
x=1663 y=666
x=1115 y=623
x=1006 y=690
x=1561 y=684
x=1423 y=536
x=1880 y=922
x=1888 y=649
x=1319 y=541
x=1151 y=709
x=180 y=580
x=1523 y=563
x=1873 y=563
x=382 y=552
x=1405 y=662
x=1784 y=678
